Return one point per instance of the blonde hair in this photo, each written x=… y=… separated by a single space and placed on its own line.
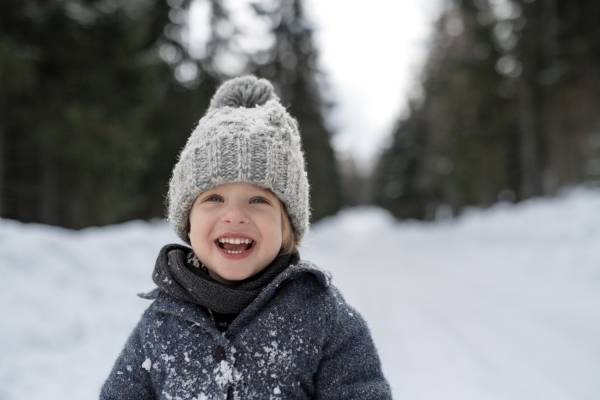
x=289 y=243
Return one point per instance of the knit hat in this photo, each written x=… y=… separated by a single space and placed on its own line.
x=245 y=136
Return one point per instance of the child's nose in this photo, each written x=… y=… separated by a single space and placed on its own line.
x=235 y=214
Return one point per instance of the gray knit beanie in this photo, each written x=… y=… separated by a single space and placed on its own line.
x=245 y=136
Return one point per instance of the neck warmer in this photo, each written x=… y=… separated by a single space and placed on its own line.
x=188 y=283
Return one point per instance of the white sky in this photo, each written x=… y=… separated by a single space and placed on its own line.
x=371 y=52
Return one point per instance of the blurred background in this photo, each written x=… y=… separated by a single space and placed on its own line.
x=479 y=116
x=432 y=107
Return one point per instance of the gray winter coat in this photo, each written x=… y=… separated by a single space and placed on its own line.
x=297 y=340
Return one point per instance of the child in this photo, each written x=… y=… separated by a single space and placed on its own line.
x=238 y=315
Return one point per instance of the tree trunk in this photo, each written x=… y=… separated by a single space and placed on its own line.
x=2 y=155
x=530 y=176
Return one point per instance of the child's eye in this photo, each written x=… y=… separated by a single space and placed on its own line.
x=259 y=200
x=214 y=198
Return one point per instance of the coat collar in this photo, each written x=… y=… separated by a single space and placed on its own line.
x=198 y=316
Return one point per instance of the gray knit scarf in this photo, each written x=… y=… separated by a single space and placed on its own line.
x=175 y=276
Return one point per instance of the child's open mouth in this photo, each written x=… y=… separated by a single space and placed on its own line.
x=237 y=245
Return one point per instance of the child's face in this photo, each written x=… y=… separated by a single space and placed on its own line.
x=238 y=212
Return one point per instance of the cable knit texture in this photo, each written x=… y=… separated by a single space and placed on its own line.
x=245 y=136
x=298 y=339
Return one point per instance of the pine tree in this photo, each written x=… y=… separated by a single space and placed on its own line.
x=453 y=148
x=559 y=52
x=95 y=105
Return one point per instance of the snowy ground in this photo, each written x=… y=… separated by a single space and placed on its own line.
x=498 y=304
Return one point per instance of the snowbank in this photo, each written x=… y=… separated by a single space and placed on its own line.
x=497 y=304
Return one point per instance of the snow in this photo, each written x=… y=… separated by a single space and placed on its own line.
x=501 y=303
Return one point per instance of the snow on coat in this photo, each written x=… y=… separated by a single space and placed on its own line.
x=298 y=339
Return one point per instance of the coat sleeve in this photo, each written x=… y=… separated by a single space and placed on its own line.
x=130 y=376
x=350 y=367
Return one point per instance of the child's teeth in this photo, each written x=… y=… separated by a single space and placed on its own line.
x=235 y=240
x=234 y=252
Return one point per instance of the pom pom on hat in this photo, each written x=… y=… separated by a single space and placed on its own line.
x=247 y=91
x=245 y=136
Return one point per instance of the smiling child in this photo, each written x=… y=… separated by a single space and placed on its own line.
x=239 y=315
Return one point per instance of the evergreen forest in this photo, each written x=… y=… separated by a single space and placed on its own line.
x=507 y=109
x=97 y=98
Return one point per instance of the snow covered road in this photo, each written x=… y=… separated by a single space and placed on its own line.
x=501 y=304
x=498 y=304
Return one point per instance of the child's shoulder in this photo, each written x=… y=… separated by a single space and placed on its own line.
x=314 y=283
x=165 y=306
x=320 y=301
x=306 y=269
